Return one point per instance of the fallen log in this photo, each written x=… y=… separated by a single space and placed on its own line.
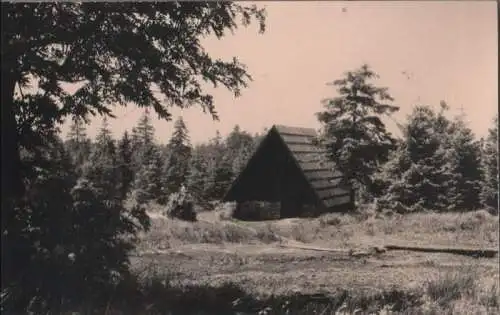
x=319 y=249
x=473 y=252
x=350 y=252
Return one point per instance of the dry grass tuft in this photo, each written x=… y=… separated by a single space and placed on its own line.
x=453 y=286
x=460 y=292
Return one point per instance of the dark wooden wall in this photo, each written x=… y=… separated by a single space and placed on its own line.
x=273 y=176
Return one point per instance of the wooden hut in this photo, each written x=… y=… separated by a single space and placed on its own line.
x=289 y=168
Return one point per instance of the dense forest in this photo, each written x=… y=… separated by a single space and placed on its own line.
x=72 y=207
x=143 y=170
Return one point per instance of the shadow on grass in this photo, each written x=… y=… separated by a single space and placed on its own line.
x=154 y=296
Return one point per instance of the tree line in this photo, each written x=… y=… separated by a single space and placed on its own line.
x=145 y=171
x=438 y=164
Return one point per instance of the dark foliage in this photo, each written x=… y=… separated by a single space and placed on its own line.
x=125 y=166
x=353 y=131
x=489 y=193
x=78 y=144
x=147 y=163
x=179 y=153
x=436 y=167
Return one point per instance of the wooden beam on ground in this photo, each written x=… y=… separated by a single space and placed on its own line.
x=473 y=252
x=318 y=249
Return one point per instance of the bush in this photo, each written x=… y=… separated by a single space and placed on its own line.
x=180 y=206
x=224 y=211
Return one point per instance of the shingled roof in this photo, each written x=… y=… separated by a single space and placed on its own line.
x=314 y=163
x=311 y=160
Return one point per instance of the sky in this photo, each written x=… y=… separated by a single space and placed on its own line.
x=423 y=51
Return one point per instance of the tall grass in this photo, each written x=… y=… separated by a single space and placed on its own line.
x=453 y=293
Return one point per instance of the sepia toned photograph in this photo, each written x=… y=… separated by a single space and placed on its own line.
x=267 y=157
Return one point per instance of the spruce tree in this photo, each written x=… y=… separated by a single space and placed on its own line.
x=221 y=178
x=353 y=131
x=489 y=193
x=147 y=163
x=239 y=147
x=176 y=168
x=465 y=160
x=421 y=174
x=145 y=129
x=47 y=207
x=142 y=140
x=220 y=168
x=125 y=159
x=78 y=144
x=196 y=181
x=102 y=168
x=147 y=185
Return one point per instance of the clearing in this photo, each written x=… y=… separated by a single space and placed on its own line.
x=263 y=258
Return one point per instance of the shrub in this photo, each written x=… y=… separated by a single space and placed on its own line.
x=224 y=211
x=180 y=206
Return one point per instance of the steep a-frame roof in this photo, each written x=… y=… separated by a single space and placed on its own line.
x=315 y=165
x=312 y=162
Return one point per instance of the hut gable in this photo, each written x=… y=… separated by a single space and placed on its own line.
x=289 y=165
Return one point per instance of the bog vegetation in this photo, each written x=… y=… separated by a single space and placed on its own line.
x=74 y=209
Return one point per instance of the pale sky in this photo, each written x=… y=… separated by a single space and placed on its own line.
x=449 y=48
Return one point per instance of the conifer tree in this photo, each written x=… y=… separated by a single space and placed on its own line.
x=78 y=144
x=220 y=168
x=102 y=168
x=239 y=147
x=125 y=160
x=353 y=131
x=176 y=168
x=489 y=193
x=147 y=161
x=465 y=167
x=421 y=174
x=196 y=181
x=142 y=140
x=145 y=129
x=48 y=209
x=221 y=178
x=147 y=185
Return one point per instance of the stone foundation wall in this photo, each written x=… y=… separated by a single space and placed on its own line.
x=257 y=211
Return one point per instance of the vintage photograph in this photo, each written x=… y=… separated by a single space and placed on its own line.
x=267 y=157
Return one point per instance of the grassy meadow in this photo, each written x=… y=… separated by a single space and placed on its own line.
x=325 y=265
